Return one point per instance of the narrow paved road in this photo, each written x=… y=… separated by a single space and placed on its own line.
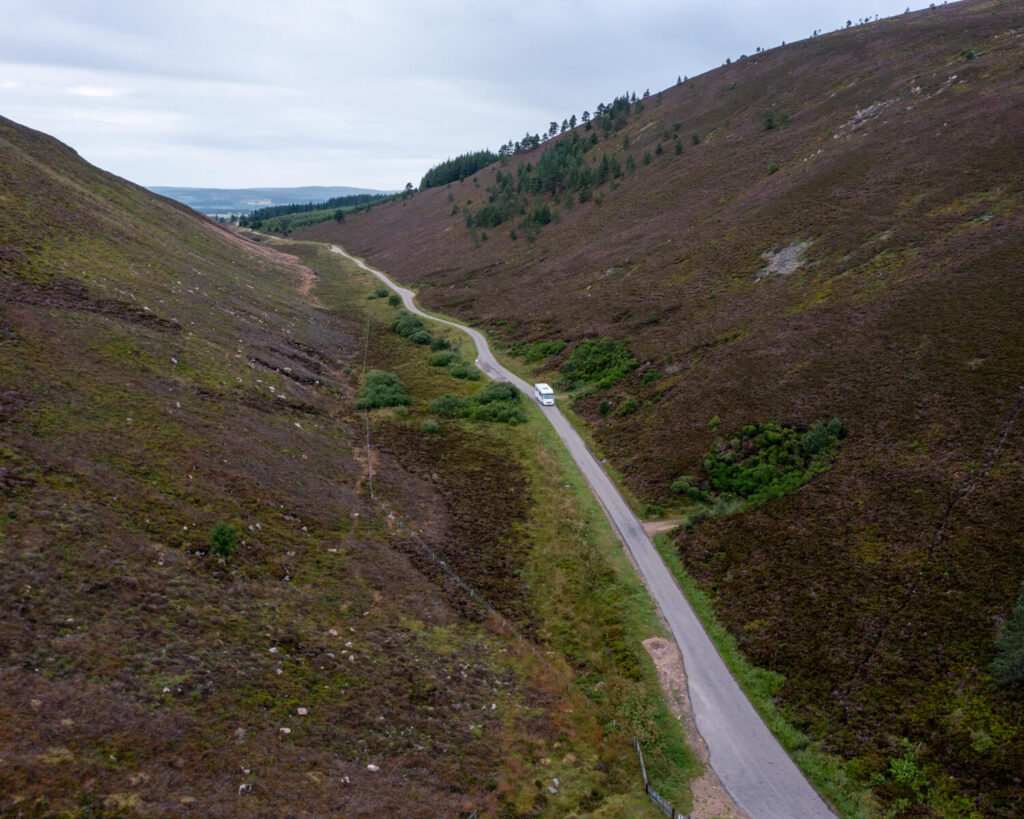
x=749 y=761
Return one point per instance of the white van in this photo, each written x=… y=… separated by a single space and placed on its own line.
x=544 y=394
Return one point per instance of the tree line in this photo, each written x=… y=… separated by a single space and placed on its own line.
x=606 y=118
x=258 y=216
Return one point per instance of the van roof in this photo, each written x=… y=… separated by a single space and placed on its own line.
x=543 y=387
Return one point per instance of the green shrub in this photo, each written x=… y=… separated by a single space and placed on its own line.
x=601 y=362
x=429 y=427
x=449 y=406
x=694 y=518
x=628 y=406
x=604 y=407
x=496 y=391
x=379 y=292
x=498 y=402
x=650 y=377
x=440 y=343
x=381 y=389
x=394 y=300
x=223 y=539
x=1008 y=666
x=652 y=510
x=405 y=324
x=682 y=484
x=442 y=358
x=420 y=337
x=464 y=370
x=817 y=438
x=772 y=168
x=499 y=412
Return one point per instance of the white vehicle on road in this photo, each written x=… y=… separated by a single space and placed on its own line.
x=544 y=394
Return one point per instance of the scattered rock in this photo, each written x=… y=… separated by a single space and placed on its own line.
x=783 y=262
x=372 y=767
x=302 y=711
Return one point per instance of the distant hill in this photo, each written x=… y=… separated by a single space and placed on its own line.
x=832 y=228
x=228 y=201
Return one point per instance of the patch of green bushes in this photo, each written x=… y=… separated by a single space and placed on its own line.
x=762 y=462
x=442 y=358
x=498 y=402
x=457 y=366
x=450 y=406
x=687 y=486
x=464 y=370
x=379 y=292
x=405 y=324
x=381 y=389
x=767 y=461
x=601 y=362
x=537 y=350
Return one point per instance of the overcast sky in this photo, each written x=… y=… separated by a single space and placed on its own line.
x=368 y=93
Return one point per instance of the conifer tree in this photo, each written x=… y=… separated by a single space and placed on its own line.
x=1008 y=666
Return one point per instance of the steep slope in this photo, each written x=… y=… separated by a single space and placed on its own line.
x=896 y=192
x=162 y=380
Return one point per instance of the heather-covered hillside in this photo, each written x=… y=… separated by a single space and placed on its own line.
x=210 y=605
x=833 y=228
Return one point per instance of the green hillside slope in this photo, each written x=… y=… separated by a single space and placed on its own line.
x=861 y=259
x=204 y=608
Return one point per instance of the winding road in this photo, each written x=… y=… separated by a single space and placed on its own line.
x=750 y=763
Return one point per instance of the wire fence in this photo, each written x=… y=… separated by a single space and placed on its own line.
x=666 y=807
x=366 y=413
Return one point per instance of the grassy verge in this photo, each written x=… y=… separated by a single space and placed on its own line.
x=830 y=775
